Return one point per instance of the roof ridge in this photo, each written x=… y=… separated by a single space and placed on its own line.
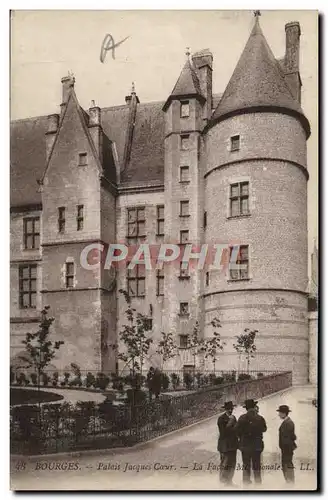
x=30 y=118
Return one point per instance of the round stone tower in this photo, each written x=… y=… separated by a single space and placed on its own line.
x=256 y=197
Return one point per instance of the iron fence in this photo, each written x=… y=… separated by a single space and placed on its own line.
x=64 y=427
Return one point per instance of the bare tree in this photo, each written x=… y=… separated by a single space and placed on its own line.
x=134 y=337
x=246 y=345
x=167 y=348
x=213 y=345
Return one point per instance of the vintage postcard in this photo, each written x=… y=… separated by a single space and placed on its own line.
x=164 y=250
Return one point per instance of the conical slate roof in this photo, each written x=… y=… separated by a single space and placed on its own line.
x=187 y=84
x=257 y=82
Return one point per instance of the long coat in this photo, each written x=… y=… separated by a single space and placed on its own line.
x=250 y=428
x=228 y=440
x=287 y=436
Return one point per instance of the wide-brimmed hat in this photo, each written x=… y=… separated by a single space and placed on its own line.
x=250 y=403
x=228 y=405
x=284 y=409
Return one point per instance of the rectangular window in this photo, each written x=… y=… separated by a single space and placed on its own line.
x=242 y=261
x=61 y=219
x=69 y=274
x=31 y=233
x=79 y=217
x=184 y=174
x=184 y=309
x=235 y=143
x=136 y=278
x=136 y=222
x=184 y=272
x=183 y=341
x=160 y=220
x=184 y=237
x=185 y=141
x=184 y=109
x=239 y=199
x=83 y=159
x=160 y=282
x=205 y=220
x=184 y=208
x=27 y=286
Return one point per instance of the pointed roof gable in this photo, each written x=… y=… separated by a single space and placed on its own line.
x=187 y=85
x=258 y=84
x=72 y=99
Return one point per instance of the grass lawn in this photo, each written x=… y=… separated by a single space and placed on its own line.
x=20 y=396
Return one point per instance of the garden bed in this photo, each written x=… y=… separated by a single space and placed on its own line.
x=19 y=396
x=85 y=425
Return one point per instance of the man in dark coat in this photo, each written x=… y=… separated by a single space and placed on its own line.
x=250 y=428
x=287 y=443
x=227 y=443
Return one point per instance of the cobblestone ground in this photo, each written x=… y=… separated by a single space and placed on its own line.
x=184 y=460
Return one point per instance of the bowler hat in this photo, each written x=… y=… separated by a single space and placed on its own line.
x=284 y=409
x=250 y=403
x=228 y=405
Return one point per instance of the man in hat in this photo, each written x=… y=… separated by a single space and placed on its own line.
x=287 y=443
x=250 y=428
x=227 y=443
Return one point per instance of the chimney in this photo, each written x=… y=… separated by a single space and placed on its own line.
x=53 y=121
x=132 y=101
x=67 y=85
x=203 y=63
x=95 y=127
x=292 y=58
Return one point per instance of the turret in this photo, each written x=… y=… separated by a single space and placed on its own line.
x=255 y=195
x=184 y=121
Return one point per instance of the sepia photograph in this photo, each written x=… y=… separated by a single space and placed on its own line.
x=164 y=252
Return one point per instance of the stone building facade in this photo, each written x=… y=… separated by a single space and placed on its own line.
x=198 y=167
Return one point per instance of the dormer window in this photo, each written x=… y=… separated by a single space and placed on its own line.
x=83 y=157
x=184 y=109
x=184 y=142
x=235 y=143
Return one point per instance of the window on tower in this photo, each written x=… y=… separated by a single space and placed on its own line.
x=235 y=143
x=239 y=270
x=160 y=282
x=184 y=174
x=69 y=274
x=160 y=220
x=183 y=341
x=61 y=219
x=184 y=109
x=205 y=220
x=79 y=217
x=184 y=272
x=184 y=237
x=184 y=309
x=239 y=199
x=184 y=208
x=185 y=141
x=83 y=159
